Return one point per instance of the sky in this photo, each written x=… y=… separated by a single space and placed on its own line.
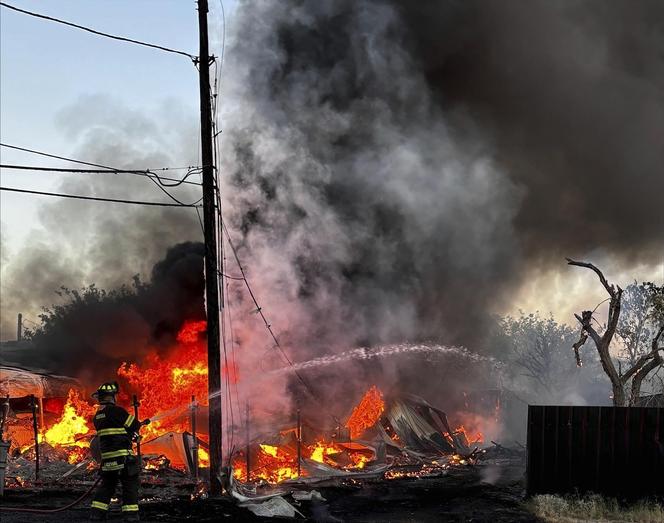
x=46 y=68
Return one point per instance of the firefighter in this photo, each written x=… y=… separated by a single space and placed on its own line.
x=116 y=429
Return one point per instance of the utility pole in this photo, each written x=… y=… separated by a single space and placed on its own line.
x=19 y=327
x=211 y=273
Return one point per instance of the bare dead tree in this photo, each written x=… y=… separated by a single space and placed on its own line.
x=640 y=368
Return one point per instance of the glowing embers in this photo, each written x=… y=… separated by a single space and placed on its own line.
x=270 y=463
x=366 y=413
x=277 y=463
x=433 y=467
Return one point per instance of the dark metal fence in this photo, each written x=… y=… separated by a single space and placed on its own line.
x=616 y=451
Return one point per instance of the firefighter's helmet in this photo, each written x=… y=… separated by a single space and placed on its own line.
x=106 y=389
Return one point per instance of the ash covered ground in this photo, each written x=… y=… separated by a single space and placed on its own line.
x=485 y=492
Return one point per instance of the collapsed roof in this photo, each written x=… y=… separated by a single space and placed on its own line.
x=410 y=423
x=18 y=382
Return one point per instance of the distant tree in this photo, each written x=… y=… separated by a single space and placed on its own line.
x=653 y=360
x=539 y=352
x=74 y=301
x=89 y=331
x=635 y=323
x=636 y=327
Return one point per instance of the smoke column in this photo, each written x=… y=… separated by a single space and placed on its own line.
x=395 y=170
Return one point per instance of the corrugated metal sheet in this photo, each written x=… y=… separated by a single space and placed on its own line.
x=616 y=451
x=17 y=382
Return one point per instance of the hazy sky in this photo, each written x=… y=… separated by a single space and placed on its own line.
x=46 y=67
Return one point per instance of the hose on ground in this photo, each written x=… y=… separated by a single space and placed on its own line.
x=52 y=510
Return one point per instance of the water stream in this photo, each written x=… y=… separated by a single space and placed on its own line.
x=362 y=353
x=366 y=353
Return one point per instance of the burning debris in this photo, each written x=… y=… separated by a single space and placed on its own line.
x=367 y=412
x=380 y=437
x=384 y=437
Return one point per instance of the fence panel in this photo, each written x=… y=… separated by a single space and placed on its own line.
x=616 y=451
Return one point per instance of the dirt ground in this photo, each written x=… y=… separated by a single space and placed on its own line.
x=478 y=494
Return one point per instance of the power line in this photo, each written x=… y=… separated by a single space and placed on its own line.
x=159 y=184
x=65 y=158
x=149 y=173
x=146 y=173
x=99 y=33
x=63 y=170
x=239 y=278
x=49 y=155
x=96 y=198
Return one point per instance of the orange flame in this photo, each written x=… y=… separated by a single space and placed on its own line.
x=274 y=464
x=166 y=383
x=203 y=458
x=72 y=424
x=191 y=331
x=163 y=384
x=470 y=439
x=366 y=413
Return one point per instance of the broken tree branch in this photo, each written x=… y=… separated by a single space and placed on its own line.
x=582 y=340
x=603 y=342
x=586 y=325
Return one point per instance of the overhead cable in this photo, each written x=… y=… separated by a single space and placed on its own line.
x=149 y=173
x=49 y=155
x=146 y=173
x=63 y=170
x=159 y=186
x=96 y=198
x=99 y=33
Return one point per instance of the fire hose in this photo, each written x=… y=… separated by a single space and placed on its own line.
x=52 y=510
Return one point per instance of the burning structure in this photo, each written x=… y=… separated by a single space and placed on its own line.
x=168 y=374
x=380 y=434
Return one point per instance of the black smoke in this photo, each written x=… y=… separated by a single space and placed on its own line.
x=78 y=243
x=572 y=95
x=93 y=331
x=398 y=168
